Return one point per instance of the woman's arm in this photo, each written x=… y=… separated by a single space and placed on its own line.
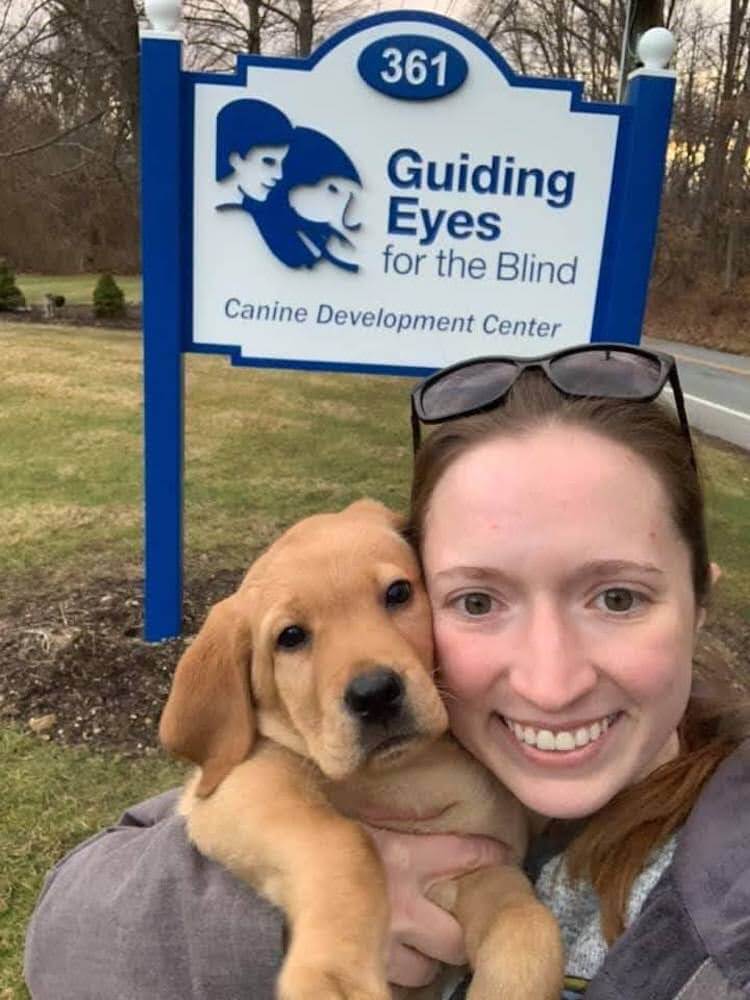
x=135 y=912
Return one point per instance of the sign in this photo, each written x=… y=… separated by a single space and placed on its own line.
x=399 y=201
x=402 y=200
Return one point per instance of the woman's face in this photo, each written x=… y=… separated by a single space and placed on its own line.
x=564 y=615
x=258 y=171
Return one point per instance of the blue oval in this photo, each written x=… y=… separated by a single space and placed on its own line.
x=412 y=67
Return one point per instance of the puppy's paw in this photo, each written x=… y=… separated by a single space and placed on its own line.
x=300 y=981
x=521 y=958
x=541 y=978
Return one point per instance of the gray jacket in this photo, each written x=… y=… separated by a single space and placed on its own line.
x=136 y=914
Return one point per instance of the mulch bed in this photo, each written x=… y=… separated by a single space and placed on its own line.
x=74 y=315
x=80 y=657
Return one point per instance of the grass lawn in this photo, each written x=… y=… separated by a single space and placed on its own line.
x=52 y=799
x=78 y=289
x=262 y=449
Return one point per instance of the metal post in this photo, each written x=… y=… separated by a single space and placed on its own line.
x=636 y=193
x=163 y=296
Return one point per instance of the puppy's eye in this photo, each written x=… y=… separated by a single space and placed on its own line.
x=291 y=637
x=399 y=592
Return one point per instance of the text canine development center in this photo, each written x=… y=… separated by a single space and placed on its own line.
x=384 y=319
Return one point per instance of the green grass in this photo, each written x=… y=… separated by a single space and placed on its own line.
x=262 y=449
x=78 y=289
x=52 y=799
x=727 y=480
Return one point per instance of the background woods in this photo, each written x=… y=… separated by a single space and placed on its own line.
x=69 y=100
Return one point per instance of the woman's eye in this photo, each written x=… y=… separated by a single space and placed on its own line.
x=476 y=604
x=270 y=161
x=291 y=637
x=399 y=592
x=619 y=599
x=333 y=189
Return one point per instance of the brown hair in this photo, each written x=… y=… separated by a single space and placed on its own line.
x=616 y=842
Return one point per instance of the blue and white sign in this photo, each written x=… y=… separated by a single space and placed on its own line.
x=402 y=200
x=399 y=201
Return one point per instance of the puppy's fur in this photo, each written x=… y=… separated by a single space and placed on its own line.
x=299 y=734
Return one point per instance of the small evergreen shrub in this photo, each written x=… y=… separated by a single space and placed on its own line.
x=11 y=296
x=109 y=301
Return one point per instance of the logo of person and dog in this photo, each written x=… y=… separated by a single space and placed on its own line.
x=297 y=185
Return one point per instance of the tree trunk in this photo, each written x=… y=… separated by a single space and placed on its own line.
x=305 y=28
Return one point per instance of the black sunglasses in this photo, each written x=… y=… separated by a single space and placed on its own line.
x=610 y=371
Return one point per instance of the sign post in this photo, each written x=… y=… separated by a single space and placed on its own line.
x=397 y=202
x=162 y=171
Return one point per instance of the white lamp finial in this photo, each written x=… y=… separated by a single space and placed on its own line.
x=655 y=48
x=164 y=15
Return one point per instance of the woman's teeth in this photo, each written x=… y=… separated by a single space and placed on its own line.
x=563 y=739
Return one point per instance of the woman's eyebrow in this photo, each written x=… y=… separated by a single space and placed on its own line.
x=614 y=567
x=479 y=573
x=593 y=568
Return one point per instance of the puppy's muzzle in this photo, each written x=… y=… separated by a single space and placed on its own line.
x=377 y=700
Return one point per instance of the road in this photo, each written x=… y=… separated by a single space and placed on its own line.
x=716 y=388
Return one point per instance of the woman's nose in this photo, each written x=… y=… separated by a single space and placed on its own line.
x=552 y=667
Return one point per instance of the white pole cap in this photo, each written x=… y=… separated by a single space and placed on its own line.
x=164 y=15
x=655 y=48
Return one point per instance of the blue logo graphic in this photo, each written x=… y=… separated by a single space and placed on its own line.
x=298 y=186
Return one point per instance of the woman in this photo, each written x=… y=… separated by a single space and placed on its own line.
x=252 y=140
x=564 y=552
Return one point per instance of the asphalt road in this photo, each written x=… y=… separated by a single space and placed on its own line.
x=716 y=387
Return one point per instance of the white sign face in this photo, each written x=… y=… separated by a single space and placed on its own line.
x=399 y=202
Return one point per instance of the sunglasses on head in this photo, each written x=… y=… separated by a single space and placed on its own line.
x=609 y=371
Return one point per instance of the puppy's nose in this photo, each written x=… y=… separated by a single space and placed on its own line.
x=376 y=696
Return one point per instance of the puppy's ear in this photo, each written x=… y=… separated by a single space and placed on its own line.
x=209 y=717
x=375 y=510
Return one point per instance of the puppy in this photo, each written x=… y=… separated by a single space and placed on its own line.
x=308 y=701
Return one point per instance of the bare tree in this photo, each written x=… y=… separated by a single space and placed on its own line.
x=218 y=29
x=69 y=108
x=706 y=215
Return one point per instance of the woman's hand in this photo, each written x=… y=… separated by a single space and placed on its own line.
x=422 y=934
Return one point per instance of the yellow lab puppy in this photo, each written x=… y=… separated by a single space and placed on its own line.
x=308 y=701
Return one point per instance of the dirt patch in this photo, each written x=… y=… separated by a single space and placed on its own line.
x=79 y=656
x=74 y=315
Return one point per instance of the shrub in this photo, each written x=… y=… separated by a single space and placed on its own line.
x=109 y=301
x=11 y=296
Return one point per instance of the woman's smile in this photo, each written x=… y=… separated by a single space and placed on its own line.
x=558 y=747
